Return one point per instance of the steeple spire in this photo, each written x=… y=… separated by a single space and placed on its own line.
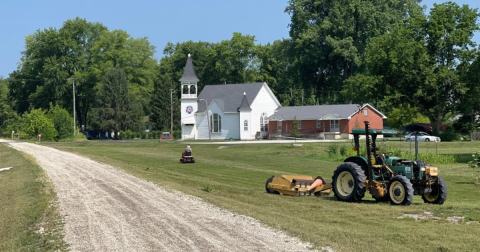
x=188 y=72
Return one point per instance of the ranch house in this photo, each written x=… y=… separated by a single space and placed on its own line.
x=324 y=121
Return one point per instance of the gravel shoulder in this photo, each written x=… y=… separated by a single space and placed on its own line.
x=106 y=209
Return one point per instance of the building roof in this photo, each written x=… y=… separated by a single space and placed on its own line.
x=319 y=112
x=230 y=95
x=245 y=106
x=189 y=72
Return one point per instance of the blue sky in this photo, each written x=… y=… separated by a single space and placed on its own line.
x=161 y=21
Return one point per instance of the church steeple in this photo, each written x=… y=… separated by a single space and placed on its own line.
x=189 y=80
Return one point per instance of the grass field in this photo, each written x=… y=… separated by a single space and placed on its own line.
x=236 y=176
x=29 y=218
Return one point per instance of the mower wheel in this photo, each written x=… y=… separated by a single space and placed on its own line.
x=348 y=182
x=400 y=191
x=438 y=194
x=409 y=140
x=268 y=189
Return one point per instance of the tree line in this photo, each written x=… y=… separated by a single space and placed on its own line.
x=412 y=66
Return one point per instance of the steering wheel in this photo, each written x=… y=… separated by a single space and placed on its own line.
x=388 y=154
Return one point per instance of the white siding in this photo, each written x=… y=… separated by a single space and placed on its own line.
x=188 y=118
x=230 y=124
x=263 y=102
x=246 y=135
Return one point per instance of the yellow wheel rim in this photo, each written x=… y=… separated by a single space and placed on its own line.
x=345 y=183
x=432 y=196
x=397 y=192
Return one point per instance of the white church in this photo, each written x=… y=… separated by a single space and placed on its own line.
x=230 y=111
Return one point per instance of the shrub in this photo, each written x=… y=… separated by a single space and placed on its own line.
x=36 y=122
x=475 y=165
x=177 y=134
x=449 y=135
x=62 y=122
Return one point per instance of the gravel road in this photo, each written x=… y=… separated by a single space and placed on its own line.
x=106 y=209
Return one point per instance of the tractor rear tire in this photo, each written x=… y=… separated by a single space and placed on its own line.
x=268 y=189
x=439 y=193
x=348 y=182
x=400 y=190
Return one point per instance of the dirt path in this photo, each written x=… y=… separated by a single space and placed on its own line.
x=108 y=210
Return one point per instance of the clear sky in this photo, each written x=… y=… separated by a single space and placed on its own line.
x=161 y=21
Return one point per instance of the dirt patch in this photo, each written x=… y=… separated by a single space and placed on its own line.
x=431 y=216
x=105 y=209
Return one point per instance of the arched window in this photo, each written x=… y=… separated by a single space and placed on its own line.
x=245 y=125
x=216 y=123
x=192 y=89
x=264 y=122
x=185 y=89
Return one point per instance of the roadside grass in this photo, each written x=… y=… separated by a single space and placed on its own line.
x=235 y=176
x=29 y=217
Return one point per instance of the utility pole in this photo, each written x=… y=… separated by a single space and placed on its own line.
x=171 y=112
x=73 y=91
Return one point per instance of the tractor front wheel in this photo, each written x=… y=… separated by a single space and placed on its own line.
x=266 y=186
x=400 y=191
x=348 y=182
x=438 y=195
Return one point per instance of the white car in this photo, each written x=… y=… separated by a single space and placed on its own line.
x=421 y=137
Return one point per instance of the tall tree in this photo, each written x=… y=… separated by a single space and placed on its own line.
x=329 y=39
x=117 y=109
x=418 y=62
x=80 y=52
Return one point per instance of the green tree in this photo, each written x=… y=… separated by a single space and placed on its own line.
x=417 y=62
x=62 y=121
x=295 y=132
x=7 y=115
x=329 y=39
x=36 y=122
x=160 y=104
x=117 y=109
x=83 y=52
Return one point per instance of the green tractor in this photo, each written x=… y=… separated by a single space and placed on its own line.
x=386 y=177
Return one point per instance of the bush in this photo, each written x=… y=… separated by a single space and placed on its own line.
x=177 y=134
x=36 y=122
x=449 y=135
x=62 y=122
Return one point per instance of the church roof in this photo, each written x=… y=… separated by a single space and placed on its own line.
x=245 y=106
x=231 y=95
x=189 y=72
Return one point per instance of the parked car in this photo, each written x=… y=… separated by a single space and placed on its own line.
x=421 y=137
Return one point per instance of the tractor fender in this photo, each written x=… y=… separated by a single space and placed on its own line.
x=360 y=161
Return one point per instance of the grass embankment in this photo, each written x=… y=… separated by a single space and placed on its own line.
x=29 y=218
x=237 y=174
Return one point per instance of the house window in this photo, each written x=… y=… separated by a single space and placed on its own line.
x=365 y=112
x=263 y=122
x=319 y=124
x=299 y=124
x=334 y=125
x=245 y=125
x=216 y=123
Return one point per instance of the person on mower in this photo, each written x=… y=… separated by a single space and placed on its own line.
x=188 y=151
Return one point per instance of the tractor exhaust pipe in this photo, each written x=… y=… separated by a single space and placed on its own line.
x=416 y=148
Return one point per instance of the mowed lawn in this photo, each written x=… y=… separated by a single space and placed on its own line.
x=29 y=215
x=236 y=175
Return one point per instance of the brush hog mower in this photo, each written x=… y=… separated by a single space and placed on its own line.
x=298 y=185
